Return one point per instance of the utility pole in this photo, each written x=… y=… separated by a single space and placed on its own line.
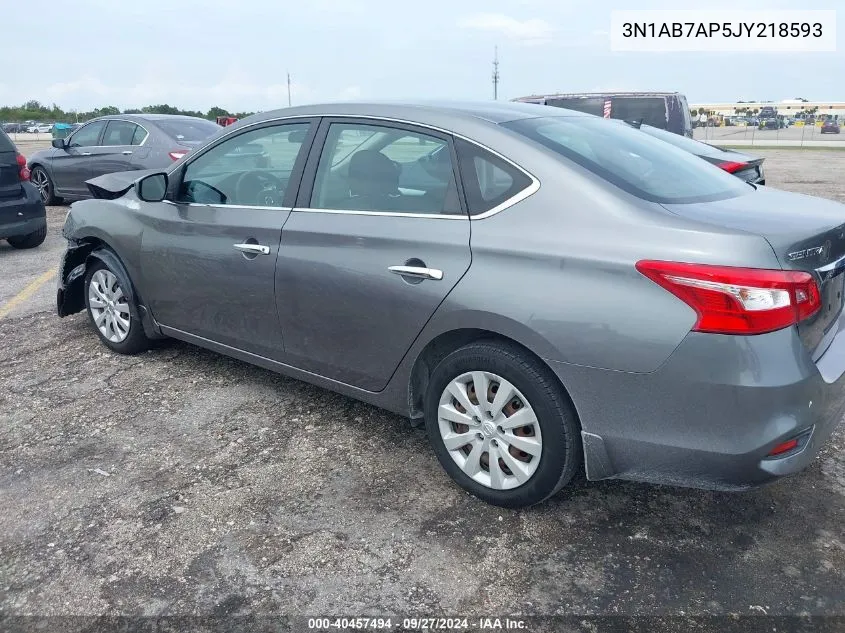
x=495 y=73
x=288 y=89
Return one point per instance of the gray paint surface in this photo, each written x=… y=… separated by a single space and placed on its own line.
x=555 y=273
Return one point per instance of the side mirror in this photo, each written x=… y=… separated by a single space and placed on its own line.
x=59 y=143
x=152 y=188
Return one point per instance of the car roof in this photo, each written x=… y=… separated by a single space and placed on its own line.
x=149 y=117
x=440 y=112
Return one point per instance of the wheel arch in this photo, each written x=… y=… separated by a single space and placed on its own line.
x=447 y=342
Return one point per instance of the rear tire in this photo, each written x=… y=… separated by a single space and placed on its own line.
x=113 y=314
x=547 y=429
x=32 y=240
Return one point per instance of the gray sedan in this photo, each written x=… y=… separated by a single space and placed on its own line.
x=549 y=292
x=114 y=143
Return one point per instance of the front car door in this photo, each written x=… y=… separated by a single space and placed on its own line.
x=71 y=166
x=208 y=252
x=378 y=239
x=114 y=152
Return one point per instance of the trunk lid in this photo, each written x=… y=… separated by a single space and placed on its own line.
x=805 y=233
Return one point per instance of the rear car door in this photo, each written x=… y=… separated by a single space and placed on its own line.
x=208 y=252
x=114 y=152
x=71 y=166
x=378 y=239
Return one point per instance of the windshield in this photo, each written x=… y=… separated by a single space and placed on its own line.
x=635 y=162
x=190 y=130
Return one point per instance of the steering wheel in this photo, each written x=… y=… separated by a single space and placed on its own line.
x=259 y=188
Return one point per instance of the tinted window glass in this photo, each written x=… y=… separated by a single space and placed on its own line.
x=374 y=168
x=119 y=133
x=6 y=144
x=488 y=180
x=649 y=110
x=139 y=136
x=592 y=105
x=88 y=135
x=250 y=169
x=191 y=130
x=633 y=161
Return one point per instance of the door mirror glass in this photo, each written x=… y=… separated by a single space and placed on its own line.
x=152 y=188
x=58 y=143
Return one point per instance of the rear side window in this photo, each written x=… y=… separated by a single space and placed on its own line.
x=6 y=144
x=139 y=136
x=635 y=162
x=119 y=133
x=488 y=180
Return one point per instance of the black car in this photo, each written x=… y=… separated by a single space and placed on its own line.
x=748 y=168
x=23 y=218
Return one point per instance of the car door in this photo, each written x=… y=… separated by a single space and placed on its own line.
x=208 y=252
x=71 y=166
x=114 y=153
x=378 y=239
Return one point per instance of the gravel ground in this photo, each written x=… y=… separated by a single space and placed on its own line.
x=183 y=482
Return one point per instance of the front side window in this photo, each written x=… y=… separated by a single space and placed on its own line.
x=87 y=135
x=488 y=180
x=119 y=133
x=367 y=167
x=635 y=162
x=250 y=169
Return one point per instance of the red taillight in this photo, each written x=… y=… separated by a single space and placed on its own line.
x=732 y=300
x=24 y=170
x=176 y=154
x=784 y=447
x=732 y=167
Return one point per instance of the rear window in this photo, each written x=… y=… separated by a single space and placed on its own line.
x=684 y=143
x=635 y=162
x=190 y=130
x=648 y=110
x=6 y=144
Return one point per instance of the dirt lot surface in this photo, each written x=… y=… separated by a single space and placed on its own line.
x=183 y=482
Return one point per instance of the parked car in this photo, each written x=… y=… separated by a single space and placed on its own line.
x=23 y=218
x=14 y=128
x=40 y=128
x=743 y=166
x=664 y=110
x=114 y=143
x=623 y=307
x=830 y=127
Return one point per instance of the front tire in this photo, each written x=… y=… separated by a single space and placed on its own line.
x=36 y=238
x=46 y=189
x=501 y=424
x=113 y=314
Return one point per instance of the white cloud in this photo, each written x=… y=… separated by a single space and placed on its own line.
x=84 y=85
x=531 y=30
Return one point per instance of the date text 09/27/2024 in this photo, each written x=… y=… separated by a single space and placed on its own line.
x=415 y=624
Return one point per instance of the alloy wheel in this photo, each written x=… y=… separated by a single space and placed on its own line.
x=109 y=307
x=490 y=430
x=41 y=181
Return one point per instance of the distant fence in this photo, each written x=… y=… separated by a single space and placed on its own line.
x=751 y=135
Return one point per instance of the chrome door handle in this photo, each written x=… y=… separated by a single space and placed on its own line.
x=255 y=249
x=86 y=153
x=126 y=153
x=417 y=272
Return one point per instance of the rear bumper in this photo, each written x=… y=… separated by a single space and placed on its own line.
x=710 y=416
x=23 y=215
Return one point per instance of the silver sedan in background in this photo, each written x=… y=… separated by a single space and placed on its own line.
x=550 y=292
x=114 y=143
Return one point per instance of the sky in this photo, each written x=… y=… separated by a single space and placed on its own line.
x=195 y=54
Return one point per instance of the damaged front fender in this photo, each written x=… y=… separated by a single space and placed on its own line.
x=69 y=295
